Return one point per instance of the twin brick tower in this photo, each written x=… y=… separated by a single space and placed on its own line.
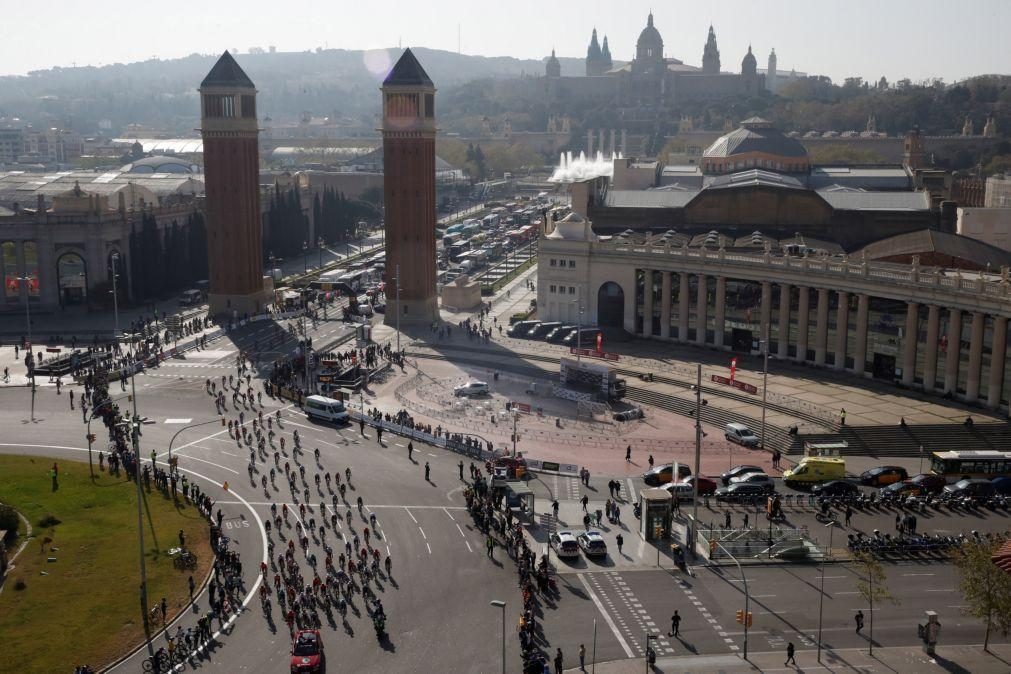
x=232 y=186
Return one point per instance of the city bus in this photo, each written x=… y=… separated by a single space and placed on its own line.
x=985 y=463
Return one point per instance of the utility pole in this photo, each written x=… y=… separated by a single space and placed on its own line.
x=135 y=433
x=398 y=309
x=698 y=458
x=25 y=280
x=765 y=385
x=115 y=297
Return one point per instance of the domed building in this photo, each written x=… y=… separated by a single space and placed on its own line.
x=756 y=144
x=648 y=50
x=553 y=68
x=161 y=164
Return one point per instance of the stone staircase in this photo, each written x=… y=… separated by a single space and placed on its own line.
x=905 y=442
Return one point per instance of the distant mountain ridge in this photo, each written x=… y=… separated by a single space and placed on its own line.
x=162 y=93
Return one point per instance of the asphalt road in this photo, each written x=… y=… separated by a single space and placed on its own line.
x=438 y=597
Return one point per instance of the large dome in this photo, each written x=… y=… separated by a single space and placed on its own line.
x=650 y=39
x=756 y=144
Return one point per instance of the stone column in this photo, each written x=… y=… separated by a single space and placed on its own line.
x=721 y=311
x=765 y=312
x=842 y=329
x=998 y=356
x=951 y=357
x=821 y=329
x=612 y=141
x=860 y=339
x=909 y=343
x=784 y=321
x=930 y=352
x=600 y=141
x=647 y=303
x=683 y=308
x=624 y=142
x=803 y=310
x=629 y=291
x=589 y=143
x=665 y=295
x=700 y=311
x=975 y=356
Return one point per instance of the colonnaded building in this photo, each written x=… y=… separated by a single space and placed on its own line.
x=851 y=268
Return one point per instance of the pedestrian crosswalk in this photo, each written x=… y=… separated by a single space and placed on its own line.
x=628 y=613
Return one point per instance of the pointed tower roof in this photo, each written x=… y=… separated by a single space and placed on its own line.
x=227 y=73
x=408 y=72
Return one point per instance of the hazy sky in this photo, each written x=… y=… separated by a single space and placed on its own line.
x=918 y=39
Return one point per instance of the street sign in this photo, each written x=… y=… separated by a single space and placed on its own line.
x=739 y=385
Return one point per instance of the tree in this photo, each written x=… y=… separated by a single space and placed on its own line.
x=985 y=586
x=871 y=586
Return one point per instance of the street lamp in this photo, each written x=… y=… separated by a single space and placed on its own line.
x=821 y=599
x=25 y=280
x=305 y=257
x=765 y=384
x=319 y=244
x=501 y=604
x=579 y=328
x=397 y=279
x=186 y=428
x=115 y=296
x=747 y=596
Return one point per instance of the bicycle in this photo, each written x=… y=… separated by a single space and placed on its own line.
x=185 y=560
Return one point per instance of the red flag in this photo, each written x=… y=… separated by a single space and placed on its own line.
x=733 y=368
x=600 y=342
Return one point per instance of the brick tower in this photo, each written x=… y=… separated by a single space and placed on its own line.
x=232 y=177
x=409 y=191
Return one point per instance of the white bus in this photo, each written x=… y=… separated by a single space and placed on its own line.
x=327 y=409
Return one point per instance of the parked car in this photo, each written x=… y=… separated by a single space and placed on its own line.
x=307 y=653
x=679 y=490
x=740 y=490
x=629 y=415
x=706 y=485
x=662 y=474
x=564 y=544
x=560 y=333
x=471 y=388
x=739 y=470
x=592 y=543
x=755 y=478
x=977 y=487
x=903 y=489
x=540 y=330
x=835 y=488
x=883 y=475
x=520 y=328
x=1002 y=485
x=932 y=484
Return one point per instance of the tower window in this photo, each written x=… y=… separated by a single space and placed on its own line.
x=249 y=107
x=219 y=105
x=429 y=105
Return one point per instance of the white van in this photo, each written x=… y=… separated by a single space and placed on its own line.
x=741 y=434
x=328 y=409
x=191 y=298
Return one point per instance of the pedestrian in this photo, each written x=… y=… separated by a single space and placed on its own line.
x=164 y=610
x=675 y=624
x=582 y=658
x=460 y=466
x=849 y=514
x=379 y=434
x=361 y=427
x=558 y=661
x=746 y=520
x=428 y=472
x=410 y=455
x=554 y=508
x=490 y=545
x=726 y=520
x=898 y=522
x=859 y=620
x=789 y=655
x=620 y=541
x=584 y=501
x=182 y=539
x=71 y=400
x=650 y=459
x=842 y=416
x=193 y=587
x=586 y=521
x=628 y=454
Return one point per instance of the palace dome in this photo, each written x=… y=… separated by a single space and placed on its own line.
x=756 y=144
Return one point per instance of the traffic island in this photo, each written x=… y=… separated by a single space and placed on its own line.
x=77 y=581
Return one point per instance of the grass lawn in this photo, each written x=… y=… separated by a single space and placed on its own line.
x=86 y=609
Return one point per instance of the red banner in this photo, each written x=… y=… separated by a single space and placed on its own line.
x=739 y=385
x=600 y=342
x=593 y=354
x=733 y=369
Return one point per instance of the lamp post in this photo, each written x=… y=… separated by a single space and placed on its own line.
x=501 y=604
x=698 y=457
x=747 y=596
x=135 y=436
x=579 y=328
x=305 y=257
x=821 y=599
x=115 y=297
x=397 y=278
x=186 y=428
x=320 y=243
x=25 y=280
x=765 y=385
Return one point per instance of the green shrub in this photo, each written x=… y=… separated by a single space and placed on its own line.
x=9 y=520
x=49 y=521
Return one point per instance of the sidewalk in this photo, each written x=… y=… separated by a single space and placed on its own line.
x=898 y=659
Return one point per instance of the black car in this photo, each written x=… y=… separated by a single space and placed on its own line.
x=520 y=329
x=742 y=490
x=541 y=330
x=560 y=333
x=739 y=470
x=882 y=476
x=836 y=488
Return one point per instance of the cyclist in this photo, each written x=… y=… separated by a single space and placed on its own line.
x=372 y=520
x=389 y=565
x=360 y=504
x=347 y=473
x=316 y=454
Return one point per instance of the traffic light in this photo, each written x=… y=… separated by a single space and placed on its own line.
x=740 y=616
x=749 y=618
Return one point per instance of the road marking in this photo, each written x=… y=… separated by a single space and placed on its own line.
x=193 y=458
x=835 y=577
x=461 y=531
x=429 y=548
x=469 y=549
x=423 y=533
x=178 y=421
x=949 y=590
x=412 y=516
x=607 y=617
x=919 y=574
x=762 y=596
x=450 y=516
x=845 y=593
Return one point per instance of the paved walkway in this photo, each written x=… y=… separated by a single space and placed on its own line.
x=905 y=659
